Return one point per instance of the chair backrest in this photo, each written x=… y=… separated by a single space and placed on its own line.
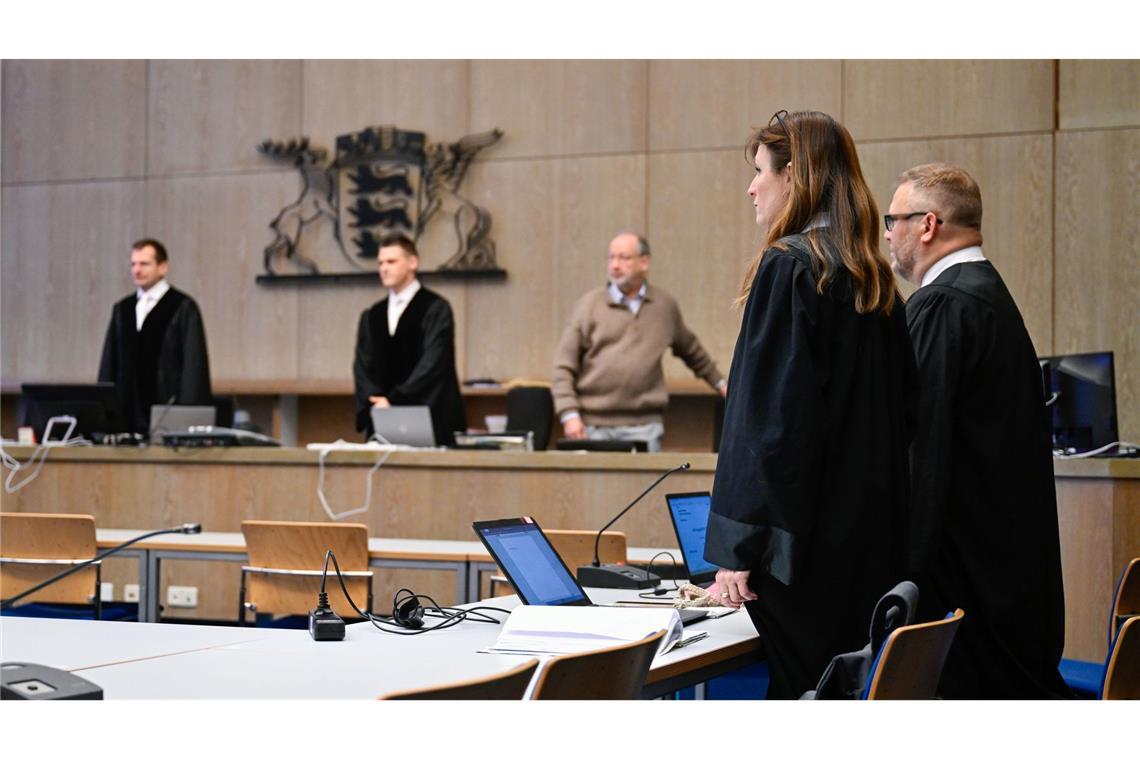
x=910 y=663
x=49 y=537
x=273 y=545
x=576 y=547
x=509 y=685
x=1122 y=676
x=531 y=408
x=614 y=673
x=1126 y=601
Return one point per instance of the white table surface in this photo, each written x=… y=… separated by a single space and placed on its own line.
x=152 y=661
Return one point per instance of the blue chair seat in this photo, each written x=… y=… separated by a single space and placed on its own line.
x=1084 y=678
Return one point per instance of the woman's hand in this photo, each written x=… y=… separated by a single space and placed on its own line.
x=731 y=587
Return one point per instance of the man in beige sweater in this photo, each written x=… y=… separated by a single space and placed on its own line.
x=608 y=381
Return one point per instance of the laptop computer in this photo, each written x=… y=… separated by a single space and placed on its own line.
x=404 y=425
x=167 y=418
x=591 y=444
x=690 y=515
x=536 y=571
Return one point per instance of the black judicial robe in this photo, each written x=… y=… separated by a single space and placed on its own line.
x=811 y=480
x=416 y=366
x=166 y=359
x=984 y=533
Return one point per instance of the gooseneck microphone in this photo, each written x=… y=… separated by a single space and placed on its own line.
x=186 y=528
x=621 y=576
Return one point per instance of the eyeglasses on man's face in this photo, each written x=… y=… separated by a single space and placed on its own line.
x=890 y=219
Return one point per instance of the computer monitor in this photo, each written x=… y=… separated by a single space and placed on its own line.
x=1081 y=392
x=93 y=405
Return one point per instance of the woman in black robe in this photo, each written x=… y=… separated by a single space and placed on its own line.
x=810 y=490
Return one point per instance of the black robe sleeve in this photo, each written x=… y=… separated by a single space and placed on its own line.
x=437 y=356
x=363 y=370
x=108 y=363
x=194 y=382
x=771 y=460
x=940 y=329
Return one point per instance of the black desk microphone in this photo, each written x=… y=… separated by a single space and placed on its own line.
x=598 y=575
x=187 y=528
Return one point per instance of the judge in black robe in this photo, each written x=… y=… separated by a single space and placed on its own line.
x=415 y=366
x=983 y=529
x=810 y=486
x=165 y=362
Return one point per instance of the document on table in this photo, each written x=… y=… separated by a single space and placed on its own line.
x=538 y=630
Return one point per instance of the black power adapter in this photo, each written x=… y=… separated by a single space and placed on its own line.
x=324 y=624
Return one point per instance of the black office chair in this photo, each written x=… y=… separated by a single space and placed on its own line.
x=531 y=408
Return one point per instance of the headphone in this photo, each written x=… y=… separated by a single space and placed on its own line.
x=408 y=613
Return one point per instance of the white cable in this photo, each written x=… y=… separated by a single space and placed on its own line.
x=341 y=444
x=40 y=453
x=1094 y=452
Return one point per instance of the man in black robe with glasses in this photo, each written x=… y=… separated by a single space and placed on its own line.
x=983 y=530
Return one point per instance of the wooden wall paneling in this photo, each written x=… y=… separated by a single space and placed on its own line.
x=66 y=261
x=346 y=96
x=210 y=115
x=67 y=120
x=706 y=104
x=1099 y=94
x=939 y=98
x=552 y=222
x=1084 y=514
x=1098 y=257
x=703 y=229
x=1015 y=176
x=555 y=108
x=329 y=314
x=215 y=229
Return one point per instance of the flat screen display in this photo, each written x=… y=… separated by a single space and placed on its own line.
x=690 y=514
x=1081 y=392
x=530 y=562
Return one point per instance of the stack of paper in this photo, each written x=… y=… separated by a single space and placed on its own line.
x=533 y=629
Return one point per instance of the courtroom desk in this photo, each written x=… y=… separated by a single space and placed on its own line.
x=438 y=494
x=81 y=644
x=1098 y=511
x=450 y=556
x=417 y=495
x=275 y=664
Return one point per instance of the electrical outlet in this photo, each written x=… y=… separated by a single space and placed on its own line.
x=131 y=592
x=106 y=591
x=182 y=596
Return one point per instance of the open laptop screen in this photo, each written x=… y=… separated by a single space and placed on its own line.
x=530 y=562
x=690 y=515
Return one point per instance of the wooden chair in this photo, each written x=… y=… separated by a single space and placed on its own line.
x=509 y=685
x=576 y=548
x=910 y=663
x=38 y=546
x=283 y=576
x=1085 y=678
x=614 y=673
x=1126 y=603
x=1122 y=676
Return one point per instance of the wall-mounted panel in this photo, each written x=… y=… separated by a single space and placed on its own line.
x=346 y=96
x=209 y=116
x=703 y=229
x=215 y=230
x=916 y=99
x=1015 y=175
x=1098 y=257
x=73 y=120
x=66 y=261
x=554 y=108
x=552 y=222
x=702 y=104
x=1098 y=94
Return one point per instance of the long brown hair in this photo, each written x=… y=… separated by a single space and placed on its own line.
x=825 y=178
